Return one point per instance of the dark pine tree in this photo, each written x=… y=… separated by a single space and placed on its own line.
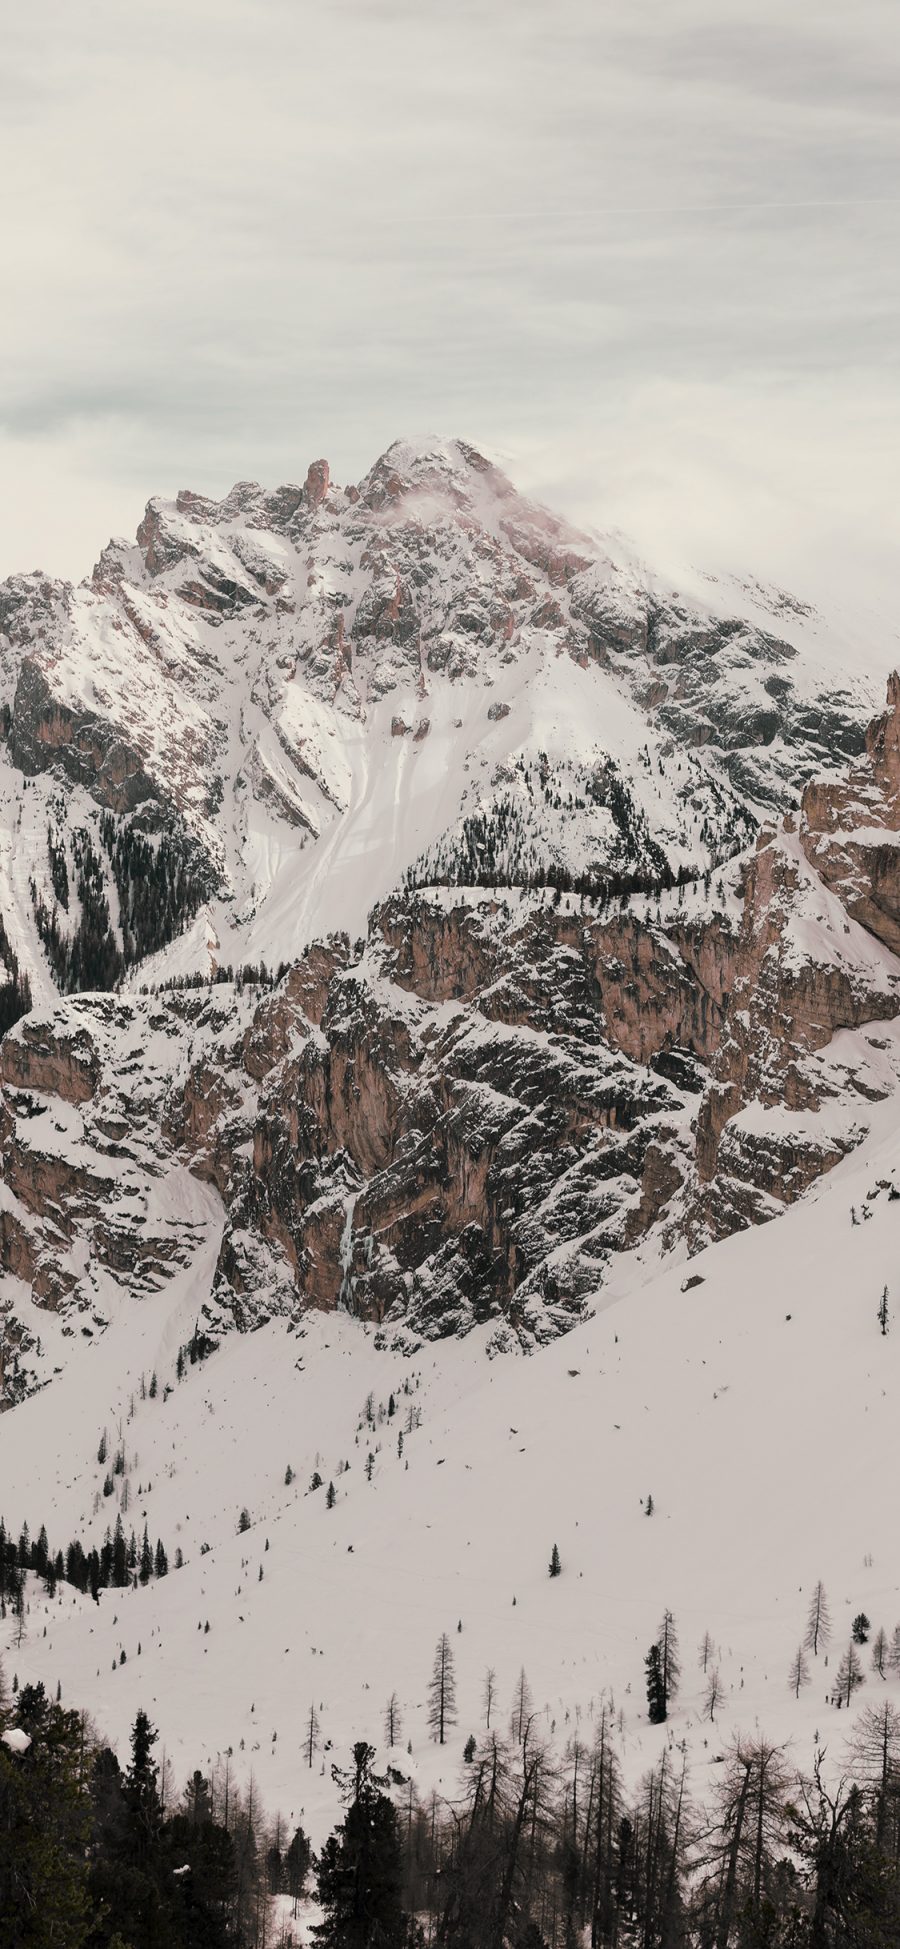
x=656 y=1692
x=442 y=1691
x=360 y=1867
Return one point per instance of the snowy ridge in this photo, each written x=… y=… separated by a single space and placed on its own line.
x=307 y=690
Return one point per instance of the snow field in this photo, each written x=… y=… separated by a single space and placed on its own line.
x=758 y=1409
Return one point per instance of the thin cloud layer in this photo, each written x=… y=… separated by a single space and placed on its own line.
x=648 y=255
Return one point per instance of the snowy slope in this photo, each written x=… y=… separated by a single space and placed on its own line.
x=758 y=1408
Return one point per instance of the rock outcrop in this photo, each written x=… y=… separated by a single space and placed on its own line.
x=466 y=1117
x=851 y=829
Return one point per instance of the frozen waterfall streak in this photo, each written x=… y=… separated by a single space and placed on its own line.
x=345 y=1294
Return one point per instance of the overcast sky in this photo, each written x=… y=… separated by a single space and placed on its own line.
x=644 y=251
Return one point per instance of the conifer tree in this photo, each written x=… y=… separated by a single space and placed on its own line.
x=876 y=1754
x=713 y=1692
x=359 y=1872
x=311 y=1738
x=669 y=1665
x=818 y=1623
x=849 y=1677
x=120 y=1556
x=141 y=1787
x=442 y=1691
x=393 y=1724
x=880 y=1655
x=44 y=1830
x=656 y=1694
x=296 y=1865
x=555 y=1565
x=799 y=1672
x=522 y=1709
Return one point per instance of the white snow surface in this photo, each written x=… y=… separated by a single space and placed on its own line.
x=758 y=1408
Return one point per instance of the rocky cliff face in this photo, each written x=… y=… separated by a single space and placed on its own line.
x=851 y=828
x=487 y=1109
x=598 y=993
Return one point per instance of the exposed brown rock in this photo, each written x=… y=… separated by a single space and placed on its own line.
x=48 y=1057
x=318 y=481
x=851 y=829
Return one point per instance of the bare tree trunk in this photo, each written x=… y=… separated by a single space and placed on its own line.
x=726 y=1911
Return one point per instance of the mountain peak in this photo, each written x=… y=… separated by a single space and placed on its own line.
x=446 y=468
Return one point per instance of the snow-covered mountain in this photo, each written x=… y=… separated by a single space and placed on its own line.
x=577 y=901
x=252 y=721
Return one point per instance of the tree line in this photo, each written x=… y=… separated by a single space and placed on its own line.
x=97 y=1856
x=531 y=1849
x=160 y=881
x=537 y=1852
x=120 y=1562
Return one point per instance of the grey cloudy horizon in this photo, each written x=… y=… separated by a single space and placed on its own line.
x=644 y=255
